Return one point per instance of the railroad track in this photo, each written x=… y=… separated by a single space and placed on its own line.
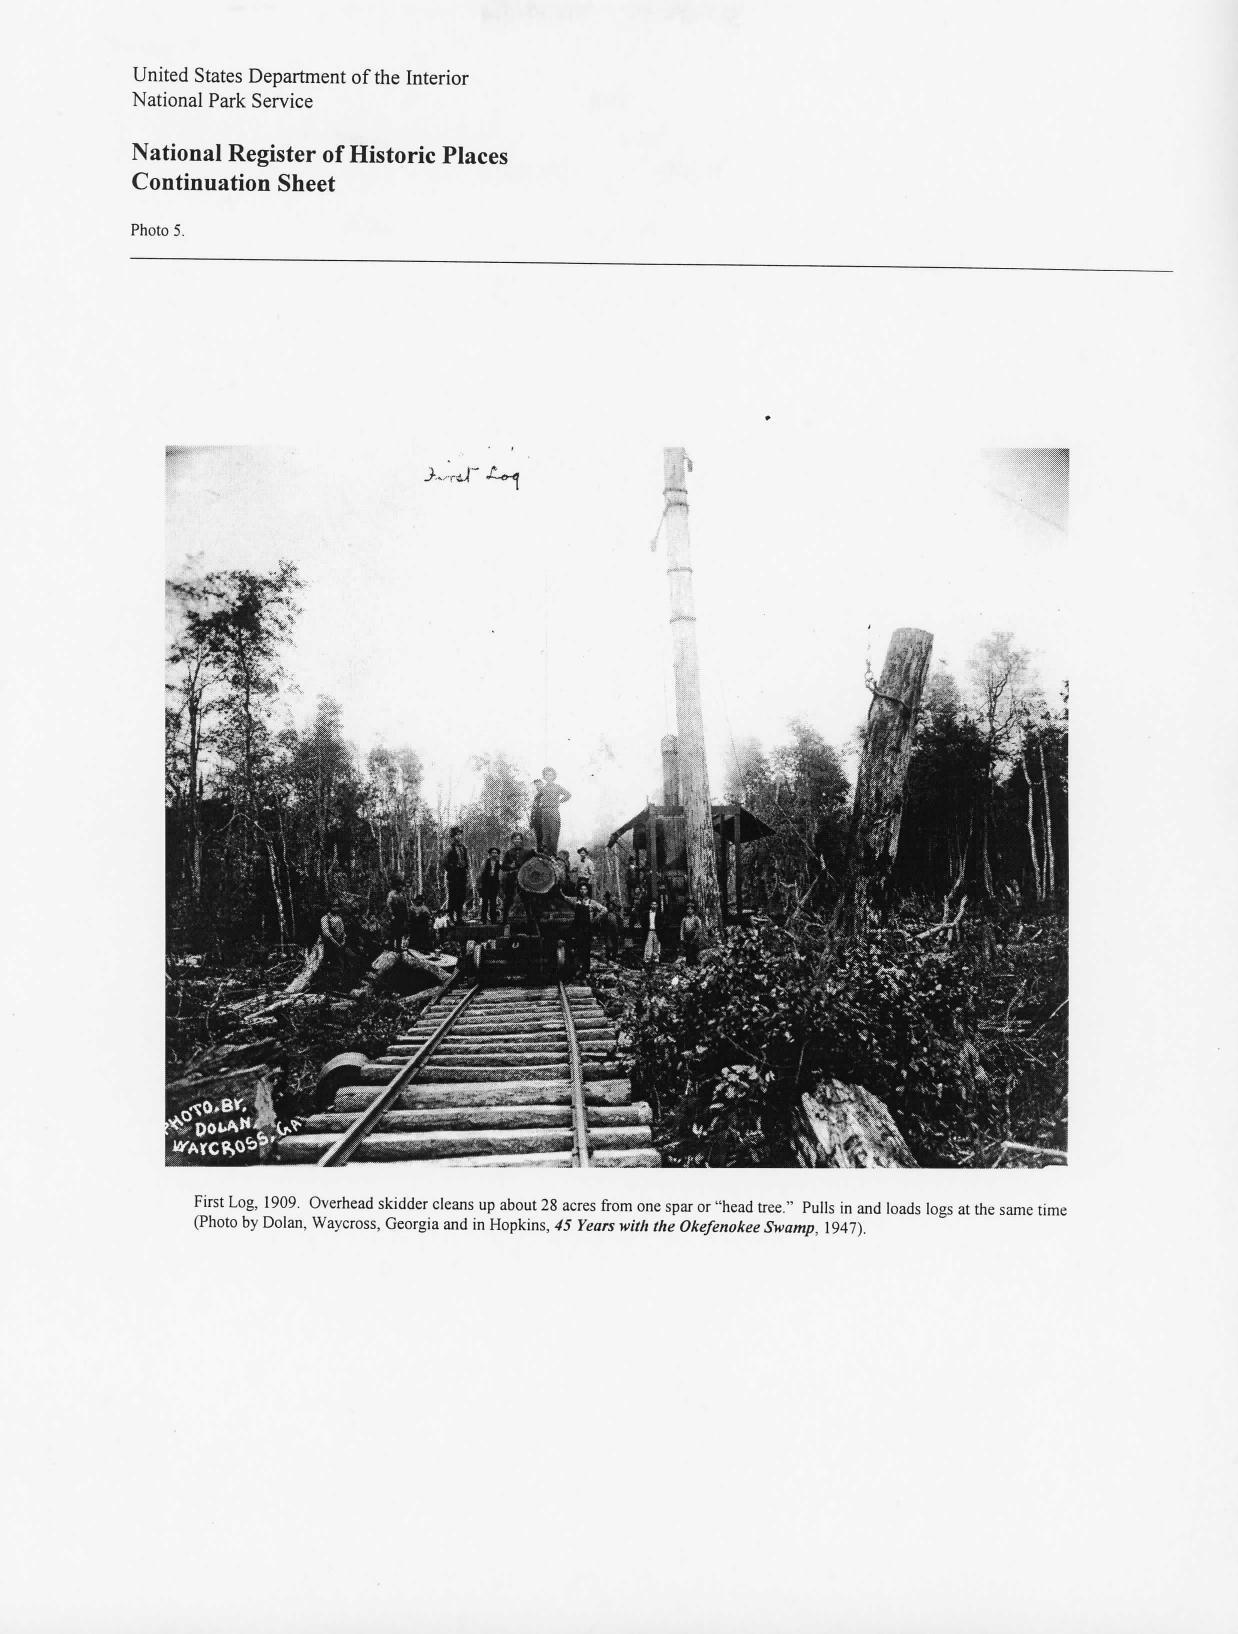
x=488 y=1077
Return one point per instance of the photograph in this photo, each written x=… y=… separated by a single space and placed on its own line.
x=738 y=839
x=694 y=547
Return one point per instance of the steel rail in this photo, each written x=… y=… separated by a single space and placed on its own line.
x=336 y=1156
x=580 y=1126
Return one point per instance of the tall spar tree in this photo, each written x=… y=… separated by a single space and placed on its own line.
x=693 y=770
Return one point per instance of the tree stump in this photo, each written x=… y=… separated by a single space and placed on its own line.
x=877 y=814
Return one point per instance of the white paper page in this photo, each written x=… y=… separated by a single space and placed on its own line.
x=832 y=253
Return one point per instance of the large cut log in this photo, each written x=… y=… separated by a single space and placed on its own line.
x=841 y=1126
x=405 y=972
x=877 y=814
x=339 y=968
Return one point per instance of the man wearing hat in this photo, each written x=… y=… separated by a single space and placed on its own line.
x=552 y=797
x=509 y=867
x=456 y=870
x=488 y=887
x=582 y=928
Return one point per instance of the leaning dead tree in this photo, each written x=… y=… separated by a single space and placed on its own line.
x=877 y=815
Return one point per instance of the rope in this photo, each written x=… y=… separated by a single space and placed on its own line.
x=653 y=543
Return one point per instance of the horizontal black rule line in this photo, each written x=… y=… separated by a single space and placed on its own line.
x=724 y=266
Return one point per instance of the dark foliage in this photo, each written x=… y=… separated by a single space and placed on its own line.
x=961 y=1043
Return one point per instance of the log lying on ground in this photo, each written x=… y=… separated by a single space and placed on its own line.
x=343 y=971
x=405 y=972
x=841 y=1126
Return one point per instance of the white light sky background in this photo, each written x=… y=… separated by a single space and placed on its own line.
x=467 y=619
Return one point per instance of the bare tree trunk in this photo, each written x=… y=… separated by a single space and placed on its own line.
x=1050 y=861
x=279 y=896
x=283 y=846
x=1031 y=830
x=877 y=815
x=986 y=866
x=698 y=819
x=195 y=818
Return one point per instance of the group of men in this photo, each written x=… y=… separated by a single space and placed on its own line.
x=497 y=879
x=496 y=884
x=414 y=926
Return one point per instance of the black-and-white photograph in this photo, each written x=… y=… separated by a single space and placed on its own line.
x=626 y=807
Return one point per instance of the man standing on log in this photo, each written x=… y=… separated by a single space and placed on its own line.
x=456 y=872
x=553 y=796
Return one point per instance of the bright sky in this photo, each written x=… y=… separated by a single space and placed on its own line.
x=437 y=612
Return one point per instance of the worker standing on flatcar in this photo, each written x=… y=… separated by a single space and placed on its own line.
x=535 y=814
x=509 y=867
x=553 y=796
x=456 y=870
x=488 y=887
